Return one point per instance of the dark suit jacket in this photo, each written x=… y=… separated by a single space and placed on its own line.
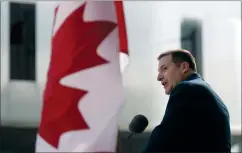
x=196 y=120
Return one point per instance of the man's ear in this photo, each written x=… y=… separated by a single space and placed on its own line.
x=184 y=67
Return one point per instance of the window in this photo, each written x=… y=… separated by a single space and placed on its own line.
x=191 y=39
x=22 y=41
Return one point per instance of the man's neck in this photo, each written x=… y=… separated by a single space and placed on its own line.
x=188 y=74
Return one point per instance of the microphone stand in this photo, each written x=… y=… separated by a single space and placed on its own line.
x=131 y=134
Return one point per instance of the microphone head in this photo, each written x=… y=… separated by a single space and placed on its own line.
x=138 y=124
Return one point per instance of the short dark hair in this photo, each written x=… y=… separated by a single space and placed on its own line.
x=179 y=56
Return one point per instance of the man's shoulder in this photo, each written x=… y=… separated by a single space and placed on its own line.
x=182 y=87
x=192 y=85
x=190 y=89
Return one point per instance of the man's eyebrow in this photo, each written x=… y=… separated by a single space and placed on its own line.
x=162 y=66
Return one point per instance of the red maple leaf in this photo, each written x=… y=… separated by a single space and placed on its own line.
x=55 y=12
x=123 y=41
x=74 y=48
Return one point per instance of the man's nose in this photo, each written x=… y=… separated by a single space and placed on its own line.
x=160 y=77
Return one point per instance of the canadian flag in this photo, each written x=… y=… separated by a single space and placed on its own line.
x=84 y=92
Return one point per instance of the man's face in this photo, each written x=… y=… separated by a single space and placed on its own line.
x=169 y=73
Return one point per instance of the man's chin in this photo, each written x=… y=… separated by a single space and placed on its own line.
x=167 y=92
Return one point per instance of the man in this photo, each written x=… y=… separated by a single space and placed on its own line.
x=196 y=120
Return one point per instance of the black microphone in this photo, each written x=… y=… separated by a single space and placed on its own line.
x=137 y=125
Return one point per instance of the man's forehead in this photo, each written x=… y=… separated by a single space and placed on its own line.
x=165 y=60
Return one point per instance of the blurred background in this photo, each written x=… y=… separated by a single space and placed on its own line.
x=210 y=30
